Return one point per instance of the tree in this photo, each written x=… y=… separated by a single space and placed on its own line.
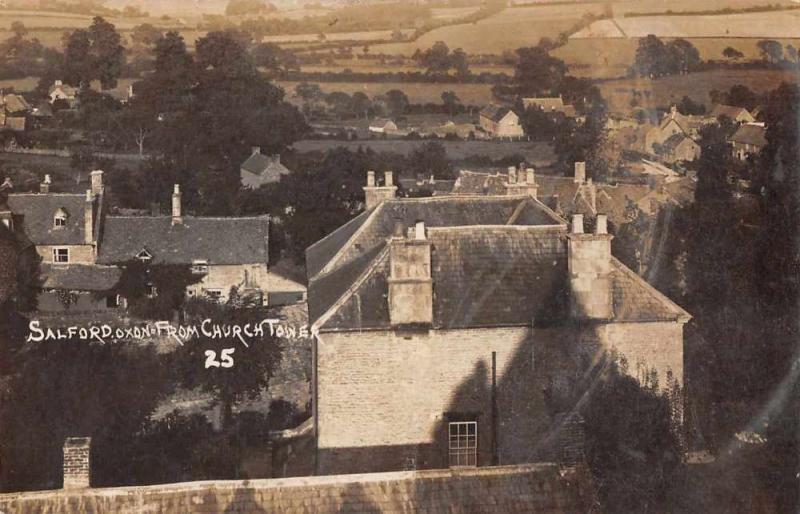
x=436 y=59
x=792 y=53
x=361 y=104
x=690 y=107
x=652 y=57
x=146 y=35
x=537 y=73
x=396 y=101
x=430 y=159
x=451 y=102
x=631 y=236
x=770 y=49
x=683 y=56
x=731 y=53
x=341 y=103
x=248 y=7
x=107 y=52
x=459 y=62
x=78 y=66
x=308 y=92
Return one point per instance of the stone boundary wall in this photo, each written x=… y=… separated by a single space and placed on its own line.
x=539 y=488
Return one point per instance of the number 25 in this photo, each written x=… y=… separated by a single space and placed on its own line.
x=225 y=356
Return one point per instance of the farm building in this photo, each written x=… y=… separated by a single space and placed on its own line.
x=679 y=147
x=748 y=140
x=736 y=114
x=260 y=169
x=673 y=123
x=500 y=122
x=64 y=92
x=550 y=104
x=382 y=126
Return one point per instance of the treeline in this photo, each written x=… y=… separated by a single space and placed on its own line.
x=711 y=12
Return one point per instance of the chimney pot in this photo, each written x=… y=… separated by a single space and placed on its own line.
x=176 y=205
x=370 y=179
x=388 y=179
x=89 y=195
x=601 y=226
x=577 y=223
x=255 y=150
x=419 y=231
x=530 y=176
x=96 y=179
x=512 y=175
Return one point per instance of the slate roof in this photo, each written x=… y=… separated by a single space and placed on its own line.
x=675 y=140
x=494 y=112
x=546 y=102
x=267 y=167
x=750 y=135
x=216 y=240
x=37 y=211
x=371 y=228
x=731 y=111
x=80 y=277
x=483 y=277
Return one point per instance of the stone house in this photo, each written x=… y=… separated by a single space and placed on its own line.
x=552 y=104
x=749 y=139
x=65 y=92
x=222 y=252
x=452 y=329
x=500 y=122
x=679 y=147
x=736 y=114
x=259 y=169
x=382 y=126
x=673 y=123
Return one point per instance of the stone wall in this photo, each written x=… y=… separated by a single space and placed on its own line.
x=536 y=488
x=78 y=254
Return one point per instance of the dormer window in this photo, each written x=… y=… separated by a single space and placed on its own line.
x=200 y=267
x=144 y=256
x=60 y=219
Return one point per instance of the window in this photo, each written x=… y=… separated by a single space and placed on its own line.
x=200 y=267
x=463 y=443
x=60 y=219
x=213 y=294
x=61 y=255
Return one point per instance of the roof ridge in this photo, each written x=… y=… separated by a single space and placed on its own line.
x=338 y=255
x=262 y=216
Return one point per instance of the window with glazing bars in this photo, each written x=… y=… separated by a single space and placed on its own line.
x=463 y=443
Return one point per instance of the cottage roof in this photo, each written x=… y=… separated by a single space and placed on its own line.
x=547 y=102
x=66 y=89
x=37 y=211
x=268 y=167
x=381 y=122
x=731 y=111
x=80 y=277
x=16 y=103
x=494 y=112
x=483 y=276
x=750 y=135
x=215 y=240
x=371 y=228
x=676 y=140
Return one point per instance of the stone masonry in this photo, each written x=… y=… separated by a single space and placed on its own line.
x=76 y=462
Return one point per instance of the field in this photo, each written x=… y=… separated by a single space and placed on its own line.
x=470 y=94
x=506 y=30
x=668 y=90
x=373 y=66
x=370 y=35
x=610 y=58
x=540 y=154
x=777 y=24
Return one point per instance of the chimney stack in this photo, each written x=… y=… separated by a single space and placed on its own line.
x=88 y=218
x=255 y=150
x=589 y=257
x=512 y=175
x=410 y=281
x=375 y=194
x=59 y=83
x=77 y=462
x=523 y=184
x=97 y=182
x=176 y=206
x=580 y=172
x=44 y=186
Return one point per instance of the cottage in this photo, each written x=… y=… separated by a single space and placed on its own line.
x=382 y=126
x=460 y=324
x=749 y=139
x=500 y=122
x=678 y=147
x=259 y=169
x=552 y=104
x=734 y=113
x=224 y=253
x=63 y=92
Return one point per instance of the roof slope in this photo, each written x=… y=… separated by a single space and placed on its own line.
x=371 y=228
x=494 y=112
x=216 y=240
x=38 y=210
x=484 y=277
x=731 y=111
x=80 y=277
x=750 y=135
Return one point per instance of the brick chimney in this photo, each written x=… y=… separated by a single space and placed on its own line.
x=97 y=182
x=375 y=194
x=88 y=218
x=176 y=205
x=410 y=282
x=589 y=257
x=44 y=186
x=77 y=462
x=580 y=172
x=524 y=185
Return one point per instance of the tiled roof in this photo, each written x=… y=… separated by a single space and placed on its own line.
x=16 y=104
x=80 y=277
x=268 y=167
x=38 y=210
x=494 y=112
x=216 y=240
x=371 y=228
x=750 y=135
x=483 y=276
